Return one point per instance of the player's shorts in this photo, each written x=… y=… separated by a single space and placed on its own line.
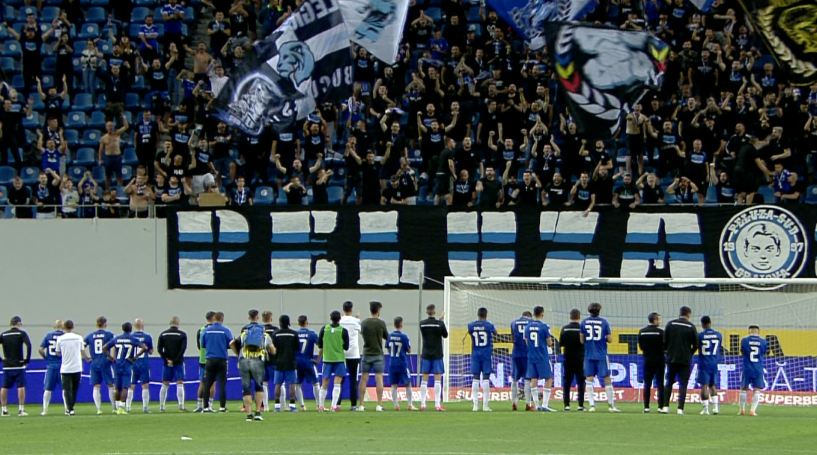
x=333 y=369
x=520 y=367
x=101 y=373
x=287 y=376
x=538 y=369
x=141 y=373
x=707 y=374
x=269 y=373
x=173 y=374
x=123 y=377
x=14 y=378
x=754 y=379
x=52 y=378
x=399 y=375
x=432 y=366
x=307 y=373
x=481 y=365
x=596 y=367
x=372 y=362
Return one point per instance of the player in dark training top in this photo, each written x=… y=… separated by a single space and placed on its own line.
x=16 y=355
x=482 y=334
x=433 y=331
x=572 y=359
x=171 y=347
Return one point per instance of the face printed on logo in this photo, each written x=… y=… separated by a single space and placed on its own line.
x=761 y=249
x=295 y=62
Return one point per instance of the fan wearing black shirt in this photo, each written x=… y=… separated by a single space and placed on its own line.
x=573 y=363
x=464 y=191
x=20 y=195
x=603 y=185
x=556 y=192
x=526 y=192
x=286 y=345
x=47 y=194
x=651 y=343
x=651 y=192
x=583 y=195
x=171 y=347
x=489 y=190
x=14 y=361
x=370 y=180
x=295 y=192
x=433 y=331
x=626 y=195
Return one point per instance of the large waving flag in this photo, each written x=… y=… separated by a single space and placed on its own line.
x=376 y=25
x=789 y=28
x=305 y=61
x=529 y=17
x=604 y=71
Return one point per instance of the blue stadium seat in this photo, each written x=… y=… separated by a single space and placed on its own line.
x=18 y=83
x=127 y=173
x=38 y=105
x=79 y=46
x=139 y=14
x=129 y=156
x=8 y=12
x=132 y=101
x=96 y=14
x=97 y=120
x=811 y=195
x=473 y=14
x=264 y=195
x=71 y=137
x=88 y=30
x=100 y=2
x=83 y=102
x=334 y=194
x=105 y=46
x=189 y=15
x=30 y=175
x=98 y=173
x=23 y=12
x=90 y=138
x=282 y=198
x=436 y=14
x=49 y=66
x=76 y=119
x=101 y=102
x=7 y=173
x=767 y=193
x=76 y=173
x=146 y=3
x=4 y=196
x=32 y=121
x=86 y=156
x=47 y=79
x=49 y=14
x=11 y=48
x=8 y=66
x=138 y=83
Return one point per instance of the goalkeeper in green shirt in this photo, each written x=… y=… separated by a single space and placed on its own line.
x=332 y=341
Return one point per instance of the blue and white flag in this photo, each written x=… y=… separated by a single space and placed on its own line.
x=703 y=5
x=304 y=62
x=528 y=17
x=376 y=25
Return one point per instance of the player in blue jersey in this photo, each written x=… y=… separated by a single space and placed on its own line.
x=305 y=362
x=595 y=334
x=709 y=356
x=101 y=367
x=482 y=346
x=53 y=361
x=141 y=367
x=398 y=348
x=539 y=339
x=520 y=359
x=123 y=350
x=753 y=348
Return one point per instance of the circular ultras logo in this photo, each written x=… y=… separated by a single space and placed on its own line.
x=765 y=241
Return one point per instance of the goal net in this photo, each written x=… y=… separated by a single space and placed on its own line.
x=786 y=311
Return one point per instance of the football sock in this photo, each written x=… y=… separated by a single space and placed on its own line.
x=474 y=392
x=706 y=404
x=316 y=392
x=321 y=397
x=46 y=400
x=129 y=399
x=335 y=395
x=589 y=394
x=423 y=392
x=714 y=400
x=515 y=392
x=546 y=397
x=199 y=403
x=409 y=395
x=180 y=394
x=534 y=393
x=526 y=387
x=742 y=400
x=266 y=397
x=438 y=395
x=163 y=395
x=394 y=400
x=611 y=395
x=97 y=398
x=299 y=395
x=112 y=397
x=755 y=399
x=486 y=393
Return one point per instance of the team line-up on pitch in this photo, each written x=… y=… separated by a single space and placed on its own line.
x=282 y=358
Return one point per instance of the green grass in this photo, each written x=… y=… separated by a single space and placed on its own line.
x=458 y=431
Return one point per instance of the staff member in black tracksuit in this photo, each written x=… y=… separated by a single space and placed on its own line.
x=680 y=343
x=573 y=359
x=15 y=341
x=651 y=343
x=171 y=347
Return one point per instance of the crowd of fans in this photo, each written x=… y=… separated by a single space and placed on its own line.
x=107 y=111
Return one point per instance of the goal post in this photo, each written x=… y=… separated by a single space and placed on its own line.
x=785 y=310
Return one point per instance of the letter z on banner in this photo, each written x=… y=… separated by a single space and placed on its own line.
x=305 y=61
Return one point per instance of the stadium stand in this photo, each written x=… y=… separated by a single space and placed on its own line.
x=463 y=76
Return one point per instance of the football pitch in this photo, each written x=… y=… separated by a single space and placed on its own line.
x=458 y=431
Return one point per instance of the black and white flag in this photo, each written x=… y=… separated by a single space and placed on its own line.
x=304 y=62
